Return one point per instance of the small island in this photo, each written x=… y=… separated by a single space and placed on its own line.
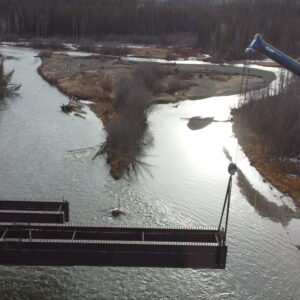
x=267 y=128
x=122 y=90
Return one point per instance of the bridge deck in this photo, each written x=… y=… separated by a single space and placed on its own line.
x=32 y=211
x=67 y=245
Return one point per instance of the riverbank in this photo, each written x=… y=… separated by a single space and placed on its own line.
x=273 y=63
x=82 y=77
x=95 y=77
x=283 y=174
x=267 y=127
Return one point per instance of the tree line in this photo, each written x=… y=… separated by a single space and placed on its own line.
x=226 y=27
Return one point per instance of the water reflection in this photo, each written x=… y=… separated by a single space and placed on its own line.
x=139 y=167
x=2 y=106
x=125 y=147
x=265 y=208
x=277 y=213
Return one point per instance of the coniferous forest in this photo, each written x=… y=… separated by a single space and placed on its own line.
x=226 y=27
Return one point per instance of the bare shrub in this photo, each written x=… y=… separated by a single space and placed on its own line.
x=126 y=132
x=44 y=54
x=231 y=54
x=87 y=45
x=115 y=50
x=150 y=77
x=183 y=39
x=175 y=84
x=185 y=74
x=11 y=38
x=274 y=118
x=132 y=97
x=186 y=52
x=151 y=74
x=124 y=135
x=107 y=84
x=170 y=55
x=53 y=44
x=106 y=89
x=37 y=43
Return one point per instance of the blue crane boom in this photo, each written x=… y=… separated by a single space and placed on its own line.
x=258 y=44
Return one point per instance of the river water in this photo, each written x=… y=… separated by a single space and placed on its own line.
x=183 y=183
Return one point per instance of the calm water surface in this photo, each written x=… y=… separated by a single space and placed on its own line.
x=184 y=184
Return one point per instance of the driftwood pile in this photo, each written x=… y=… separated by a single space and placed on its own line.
x=73 y=106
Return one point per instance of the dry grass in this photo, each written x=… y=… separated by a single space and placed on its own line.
x=277 y=172
x=86 y=85
x=150 y=52
x=220 y=78
x=168 y=53
x=272 y=63
x=268 y=128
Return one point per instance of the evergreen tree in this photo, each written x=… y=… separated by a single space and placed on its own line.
x=6 y=88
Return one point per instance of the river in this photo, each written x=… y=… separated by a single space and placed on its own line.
x=183 y=184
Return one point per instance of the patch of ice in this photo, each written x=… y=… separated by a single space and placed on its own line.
x=295 y=160
x=70 y=46
x=86 y=102
x=206 y=56
x=164 y=61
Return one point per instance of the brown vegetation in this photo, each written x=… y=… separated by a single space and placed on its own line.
x=268 y=128
x=272 y=63
x=116 y=50
x=126 y=128
x=44 y=54
x=87 y=45
x=73 y=106
x=48 y=44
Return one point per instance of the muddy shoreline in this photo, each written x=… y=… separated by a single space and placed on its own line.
x=79 y=77
x=283 y=174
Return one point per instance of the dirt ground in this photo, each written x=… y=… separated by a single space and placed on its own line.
x=165 y=53
x=273 y=63
x=82 y=77
x=283 y=174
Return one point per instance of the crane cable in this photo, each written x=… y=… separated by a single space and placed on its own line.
x=232 y=168
x=243 y=96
